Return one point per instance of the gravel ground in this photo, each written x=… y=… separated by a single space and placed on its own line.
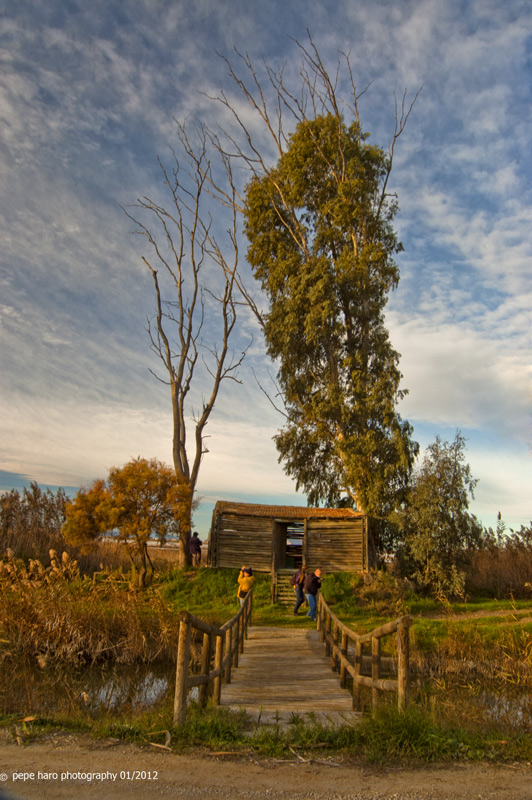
x=66 y=766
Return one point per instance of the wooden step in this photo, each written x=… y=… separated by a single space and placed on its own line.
x=284 y=591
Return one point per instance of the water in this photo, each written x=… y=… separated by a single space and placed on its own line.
x=28 y=689
x=509 y=710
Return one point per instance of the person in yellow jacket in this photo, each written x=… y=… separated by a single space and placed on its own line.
x=245 y=582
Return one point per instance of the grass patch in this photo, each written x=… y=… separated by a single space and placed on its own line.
x=386 y=737
x=53 y=621
x=392 y=737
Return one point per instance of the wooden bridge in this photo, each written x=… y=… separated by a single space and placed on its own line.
x=283 y=673
x=289 y=671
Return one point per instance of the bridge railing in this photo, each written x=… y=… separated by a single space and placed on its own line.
x=346 y=650
x=224 y=643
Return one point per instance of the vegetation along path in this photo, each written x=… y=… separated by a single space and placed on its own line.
x=284 y=671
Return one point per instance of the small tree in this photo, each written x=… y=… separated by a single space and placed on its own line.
x=437 y=529
x=142 y=500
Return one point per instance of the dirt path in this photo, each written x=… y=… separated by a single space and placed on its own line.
x=64 y=766
x=466 y=615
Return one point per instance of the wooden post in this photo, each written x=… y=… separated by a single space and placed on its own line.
x=183 y=657
x=320 y=616
x=205 y=668
x=248 y=613
x=228 y=654
x=343 y=650
x=356 y=685
x=335 y=641
x=375 y=669
x=326 y=634
x=239 y=640
x=218 y=660
x=274 y=568
x=403 y=664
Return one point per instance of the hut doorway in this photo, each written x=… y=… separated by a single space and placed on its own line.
x=288 y=544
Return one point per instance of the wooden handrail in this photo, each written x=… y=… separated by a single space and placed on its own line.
x=334 y=631
x=224 y=642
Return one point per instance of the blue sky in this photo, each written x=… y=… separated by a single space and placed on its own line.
x=88 y=96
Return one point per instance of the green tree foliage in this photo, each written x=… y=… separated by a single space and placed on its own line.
x=437 y=530
x=31 y=521
x=322 y=245
x=140 y=501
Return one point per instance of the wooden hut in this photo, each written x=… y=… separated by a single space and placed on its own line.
x=276 y=538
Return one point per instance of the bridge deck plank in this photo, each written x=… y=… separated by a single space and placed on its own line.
x=285 y=669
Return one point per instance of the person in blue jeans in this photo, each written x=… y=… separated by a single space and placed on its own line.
x=312 y=587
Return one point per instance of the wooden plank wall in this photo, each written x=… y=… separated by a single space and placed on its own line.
x=336 y=545
x=243 y=540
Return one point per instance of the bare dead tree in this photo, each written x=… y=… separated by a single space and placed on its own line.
x=195 y=278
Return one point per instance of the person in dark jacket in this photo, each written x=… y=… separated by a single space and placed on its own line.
x=312 y=587
x=298 y=582
x=195 y=548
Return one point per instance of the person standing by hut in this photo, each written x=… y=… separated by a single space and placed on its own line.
x=245 y=583
x=312 y=587
x=298 y=582
x=195 y=548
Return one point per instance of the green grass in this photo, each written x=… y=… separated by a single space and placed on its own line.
x=435 y=728
x=385 y=737
x=211 y=595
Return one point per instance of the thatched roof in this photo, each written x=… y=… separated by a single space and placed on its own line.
x=284 y=512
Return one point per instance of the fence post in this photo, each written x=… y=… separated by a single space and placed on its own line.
x=205 y=668
x=356 y=685
x=183 y=656
x=375 y=669
x=218 y=661
x=238 y=640
x=326 y=635
x=248 y=613
x=343 y=650
x=319 y=611
x=336 y=645
x=403 y=664
x=228 y=653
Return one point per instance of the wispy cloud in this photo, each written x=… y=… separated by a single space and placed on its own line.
x=87 y=96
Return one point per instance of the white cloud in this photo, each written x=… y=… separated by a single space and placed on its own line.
x=87 y=101
x=504 y=480
x=459 y=379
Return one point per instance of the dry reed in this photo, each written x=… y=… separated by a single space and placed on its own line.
x=54 y=615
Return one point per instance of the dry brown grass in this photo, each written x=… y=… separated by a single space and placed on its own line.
x=55 y=615
x=502 y=571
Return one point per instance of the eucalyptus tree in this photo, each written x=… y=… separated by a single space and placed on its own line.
x=319 y=222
